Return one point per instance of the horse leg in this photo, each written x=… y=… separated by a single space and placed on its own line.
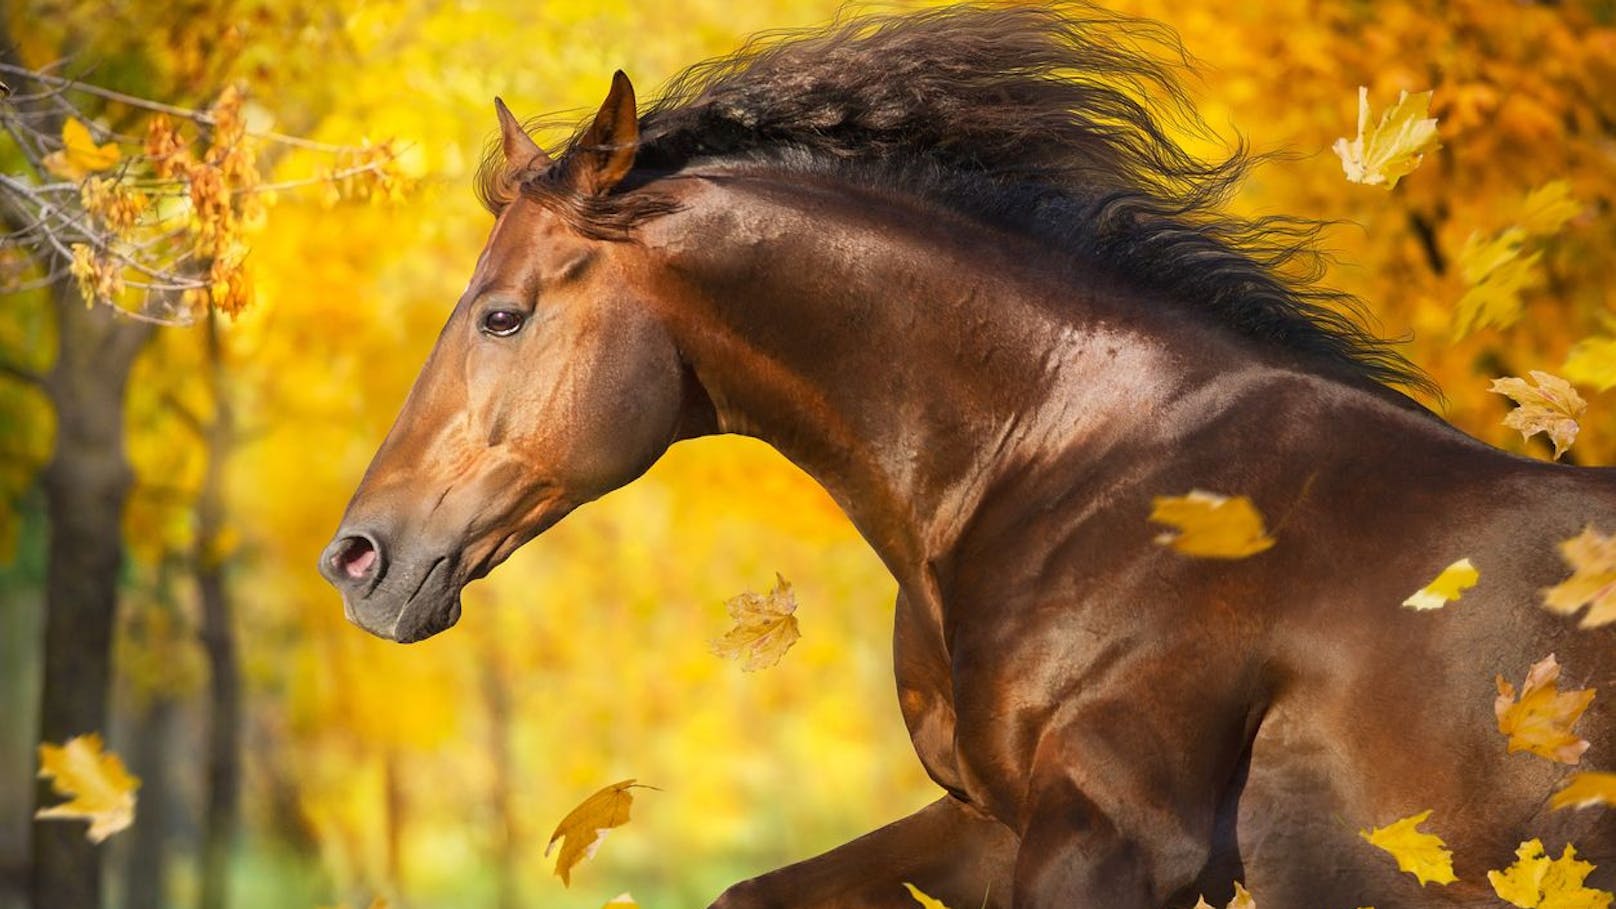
x=946 y=849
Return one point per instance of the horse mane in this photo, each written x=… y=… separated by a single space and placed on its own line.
x=1055 y=121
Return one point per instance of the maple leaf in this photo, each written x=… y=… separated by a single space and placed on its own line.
x=1423 y=855
x=765 y=627
x=583 y=829
x=1496 y=274
x=98 y=787
x=1548 y=208
x=1241 y=900
x=79 y=156
x=1592 y=362
x=1592 y=557
x=1586 y=789
x=1211 y=526
x=925 y=900
x=1390 y=151
x=621 y=901
x=1449 y=585
x=1537 y=882
x=1541 y=721
x=1551 y=408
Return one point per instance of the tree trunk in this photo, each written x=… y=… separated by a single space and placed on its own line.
x=86 y=485
x=221 y=810
x=146 y=865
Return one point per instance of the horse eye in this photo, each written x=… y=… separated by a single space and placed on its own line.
x=502 y=322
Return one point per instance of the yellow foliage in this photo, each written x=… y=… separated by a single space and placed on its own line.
x=924 y=899
x=97 y=786
x=79 y=155
x=1212 y=526
x=1586 y=789
x=1592 y=557
x=1423 y=855
x=1541 y=721
x=585 y=827
x=1450 y=584
x=765 y=627
x=1537 y=882
x=1395 y=146
x=1241 y=900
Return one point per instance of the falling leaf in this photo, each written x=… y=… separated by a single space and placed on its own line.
x=1552 y=407
x=1241 y=900
x=79 y=155
x=621 y=901
x=1423 y=855
x=1449 y=585
x=929 y=902
x=1496 y=274
x=583 y=829
x=1537 y=882
x=765 y=627
x=1592 y=362
x=1548 y=208
x=1210 y=525
x=1586 y=789
x=1392 y=149
x=98 y=787
x=1592 y=557
x=1541 y=721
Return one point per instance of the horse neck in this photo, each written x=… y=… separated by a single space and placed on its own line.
x=904 y=358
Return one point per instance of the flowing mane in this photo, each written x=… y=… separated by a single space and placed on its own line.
x=1052 y=122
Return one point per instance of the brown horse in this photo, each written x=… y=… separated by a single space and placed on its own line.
x=953 y=266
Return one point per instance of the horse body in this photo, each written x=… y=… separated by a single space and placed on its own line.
x=1114 y=724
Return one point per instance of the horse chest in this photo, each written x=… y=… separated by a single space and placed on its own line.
x=925 y=692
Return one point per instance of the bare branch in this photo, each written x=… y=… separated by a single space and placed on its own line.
x=26 y=376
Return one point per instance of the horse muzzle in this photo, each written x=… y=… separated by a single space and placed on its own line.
x=400 y=599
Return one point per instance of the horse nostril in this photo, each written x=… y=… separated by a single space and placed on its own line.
x=354 y=558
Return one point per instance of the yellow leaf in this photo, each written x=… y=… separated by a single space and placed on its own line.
x=929 y=902
x=1537 y=882
x=1548 y=208
x=1242 y=899
x=1592 y=362
x=79 y=155
x=621 y=901
x=1551 y=408
x=1592 y=557
x=1449 y=585
x=1210 y=525
x=100 y=790
x=583 y=829
x=1393 y=148
x=1423 y=855
x=765 y=627
x=1496 y=274
x=1584 y=790
x=1541 y=721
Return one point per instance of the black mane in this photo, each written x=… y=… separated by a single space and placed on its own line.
x=1052 y=121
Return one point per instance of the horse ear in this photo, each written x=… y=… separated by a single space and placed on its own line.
x=521 y=152
x=606 y=150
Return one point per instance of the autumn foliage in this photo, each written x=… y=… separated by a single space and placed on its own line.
x=1459 y=153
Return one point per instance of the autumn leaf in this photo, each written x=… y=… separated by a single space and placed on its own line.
x=621 y=901
x=765 y=627
x=1586 y=789
x=1537 y=882
x=1423 y=855
x=1551 y=408
x=1548 y=208
x=1496 y=274
x=583 y=829
x=79 y=155
x=1211 y=526
x=98 y=787
x=921 y=897
x=1541 y=721
x=1449 y=585
x=1241 y=900
x=1592 y=362
x=1592 y=557
x=1394 y=148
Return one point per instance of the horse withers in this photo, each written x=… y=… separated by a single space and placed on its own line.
x=953 y=266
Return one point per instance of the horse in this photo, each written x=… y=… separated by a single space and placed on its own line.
x=955 y=266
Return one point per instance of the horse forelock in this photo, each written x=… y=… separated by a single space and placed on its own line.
x=1055 y=121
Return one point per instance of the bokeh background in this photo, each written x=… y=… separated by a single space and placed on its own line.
x=433 y=774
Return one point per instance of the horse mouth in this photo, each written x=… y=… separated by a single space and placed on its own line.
x=433 y=606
